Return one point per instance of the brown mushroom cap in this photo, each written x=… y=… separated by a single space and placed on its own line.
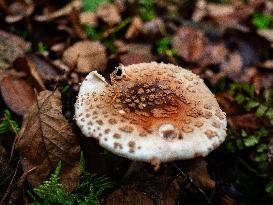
x=151 y=112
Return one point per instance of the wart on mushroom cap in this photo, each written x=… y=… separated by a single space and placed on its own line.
x=151 y=112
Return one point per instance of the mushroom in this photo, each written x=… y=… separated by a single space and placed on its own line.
x=152 y=112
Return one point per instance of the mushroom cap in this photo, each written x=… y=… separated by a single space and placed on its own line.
x=152 y=112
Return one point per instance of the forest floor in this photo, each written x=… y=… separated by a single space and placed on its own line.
x=48 y=47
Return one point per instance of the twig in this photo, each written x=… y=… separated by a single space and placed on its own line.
x=10 y=186
x=192 y=183
x=211 y=196
x=246 y=165
x=16 y=135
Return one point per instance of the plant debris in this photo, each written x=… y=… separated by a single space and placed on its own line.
x=86 y=56
x=45 y=139
x=47 y=48
x=17 y=94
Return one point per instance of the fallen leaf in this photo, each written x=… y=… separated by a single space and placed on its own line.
x=11 y=47
x=227 y=200
x=86 y=56
x=134 y=28
x=121 y=5
x=247 y=121
x=74 y=19
x=267 y=34
x=233 y=66
x=268 y=64
x=6 y=171
x=136 y=53
x=220 y=10
x=58 y=48
x=263 y=80
x=45 y=139
x=199 y=174
x=153 y=28
x=29 y=66
x=89 y=18
x=66 y=10
x=19 y=10
x=109 y=13
x=17 y=94
x=227 y=104
x=199 y=11
x=215 y=53
x=162 y=190
x=126 y=196
x=46 y=70
x=228 y=15
x=189 y=44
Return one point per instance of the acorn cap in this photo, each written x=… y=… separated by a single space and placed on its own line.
x=151 y=112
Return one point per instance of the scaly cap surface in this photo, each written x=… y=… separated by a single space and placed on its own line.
x=151 y=112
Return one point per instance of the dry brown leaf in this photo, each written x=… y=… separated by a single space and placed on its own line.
x=199 y=11
x=126 y=196
x=136 y=53
x=247 y=121
x=215 y=53
x=171 y=194
x=109 y=13
x=89 y=18
x=46 y=70
x=220 y=10
x=199 y=174
x=78 y=30
x=154 y=28
x=6 y=171
x=162 y=190
x=263 y=80
x=134 y=28
x=189 y=44
x=74 y=5
x=45 y=139
x=18 y=10
x=226 y=15
x=268 y=64
x=29 y=66
x=267 y=34
x=234 y=63
x=227 y=104
x=17 y=94
x=11 y=47
x=86 y=56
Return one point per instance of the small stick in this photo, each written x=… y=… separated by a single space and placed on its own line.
x=16 y=136
x=192 y=183
x=10 y=186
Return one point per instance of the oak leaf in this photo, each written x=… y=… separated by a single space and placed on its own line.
x=45 y=139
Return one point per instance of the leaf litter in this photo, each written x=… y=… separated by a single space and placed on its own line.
x=45 y=139
x=48 y=46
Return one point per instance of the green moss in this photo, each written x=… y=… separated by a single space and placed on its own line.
x=92 y=5
x=146 y=9
x=251 y=147
x=246 y=95
x=89 y=191
x=262 y=21
x=163 y=47
x=42 y=47
x=7 y=124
